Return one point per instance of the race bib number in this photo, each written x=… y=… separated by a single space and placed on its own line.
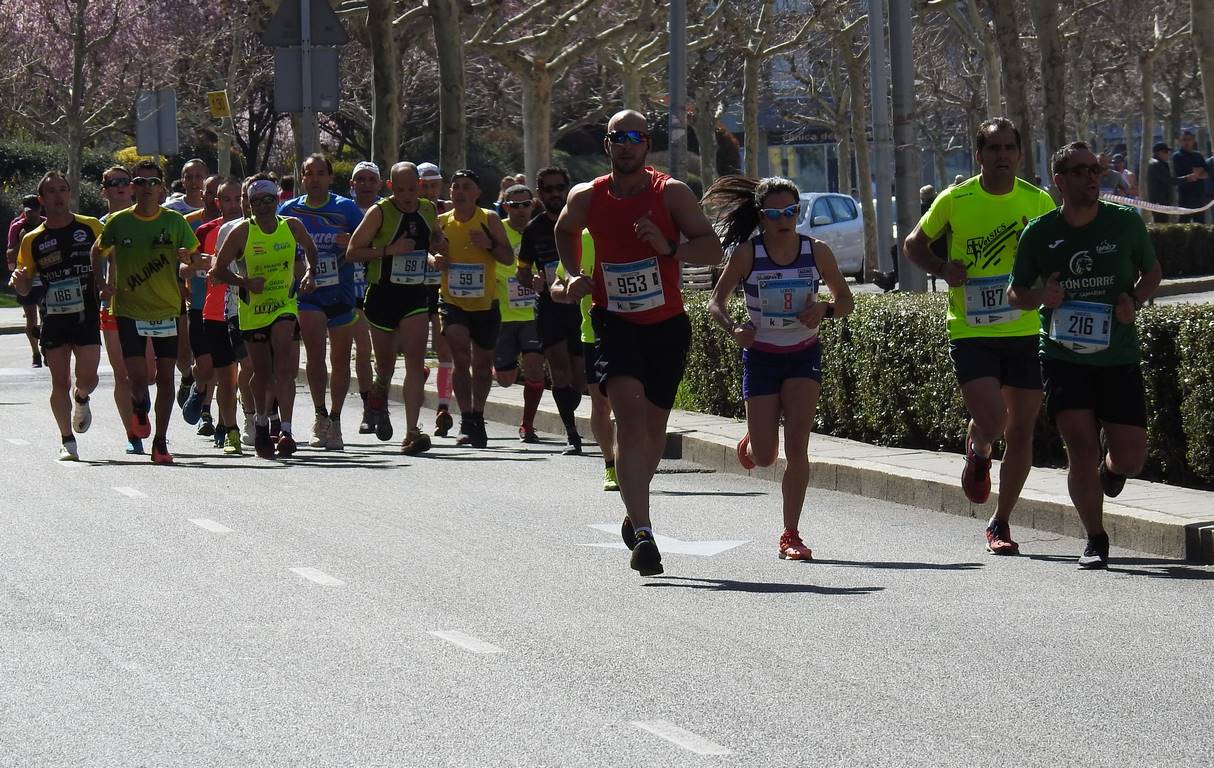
x=156 y=328
x=1082 y=326
x=408 y=268
x=521 y=296
x=64 y=297
x=550 y=273
x=326 y=272
x=434 y=277
x=986 y=301
x=466 y=281
x=780 y=301
x=230 y=307
x=633 y=287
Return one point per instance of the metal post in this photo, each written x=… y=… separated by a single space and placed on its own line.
x=307 y=119
x=906 y=157
x=882 y=139
x=678 y=89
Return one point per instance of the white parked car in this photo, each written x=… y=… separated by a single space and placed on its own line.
x=835 y=220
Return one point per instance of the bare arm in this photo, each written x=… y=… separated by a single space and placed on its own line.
x=501 y=249
x=233 y=246
x=840 y=293
x=568 y=235
x=304 y=241
x=702 y=245
x=919 y=250
x=359 y=248
x=739 y=265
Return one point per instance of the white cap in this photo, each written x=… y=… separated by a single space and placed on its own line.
x=365 y=165
x=429 y=171
x=262 y=187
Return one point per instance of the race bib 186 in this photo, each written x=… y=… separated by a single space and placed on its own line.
x=408 y=268
x=64 y=297
x=986 y=301
x=466 y=281
x=633 y=287
x=780 y=301
x=1082 y=326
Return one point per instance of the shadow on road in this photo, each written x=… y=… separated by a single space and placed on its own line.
x=902 y=566
x=758 y=587
x=478 y=457
x=1155 y=567
x=708 y=493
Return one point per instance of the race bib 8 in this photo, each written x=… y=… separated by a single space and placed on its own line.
x=466 y=281
x=408 y=268
x=521 y=296
x=1082 y=326
x=633 y=287
x=326 y=272
x=780 y=301
x=156 y=328
x=986 y=301
x=64 y=297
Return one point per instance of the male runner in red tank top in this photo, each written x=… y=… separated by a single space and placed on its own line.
x=643 y=223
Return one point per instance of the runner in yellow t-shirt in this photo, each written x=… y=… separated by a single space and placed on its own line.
x=993 y=345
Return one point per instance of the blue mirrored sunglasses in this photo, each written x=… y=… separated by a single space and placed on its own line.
x=627 y=137
x=775 y=213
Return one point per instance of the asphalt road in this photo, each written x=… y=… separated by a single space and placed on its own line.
x=461 y=609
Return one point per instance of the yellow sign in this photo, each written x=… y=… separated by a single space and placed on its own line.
x=218 y=101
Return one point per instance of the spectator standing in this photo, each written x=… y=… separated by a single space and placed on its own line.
x=1190 y=168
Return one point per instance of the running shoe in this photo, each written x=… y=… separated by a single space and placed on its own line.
x=191 y=406
x=250 y=429
x=275 y=427
x=465 y=430
x=610 y=481
x=366 y=426
x=220 y=435
x=183 y=390
x=415 y=442
x=334 y=441
x=976 y=477
x=134 y=446
x=646 y=559
x=443 y=422
x=743 y=459
x=37 y=361
x=383 y=423
x=82 y=416
x=231 y=443
x=263 y=443
x=206 y=427
x=479 y=438
x=1096 y=554
x=573 y=444
x=140 y=426
x=527 y=434
x=1110 y=481
x=286 y=445
x=160 y=452
x=628 y=534
x=792 y=548
x=69 y=452
x=320 y=432
x=999 y=539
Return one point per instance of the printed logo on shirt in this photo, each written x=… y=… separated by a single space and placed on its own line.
x=990 y=249
x=1081 y=263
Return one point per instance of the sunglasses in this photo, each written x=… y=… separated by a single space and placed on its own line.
x=1094 y=169
x=775 y=213
x=116 y=183
x=263 y=199
x=519 y=204
x=554 y=189
x=143 y=181
x=627 y=137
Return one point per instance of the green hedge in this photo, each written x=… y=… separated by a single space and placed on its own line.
x=1184 y=249
x=887 y=380
x=22 y=165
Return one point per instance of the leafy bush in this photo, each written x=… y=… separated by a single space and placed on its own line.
x=1184 y=249
x=887 y=379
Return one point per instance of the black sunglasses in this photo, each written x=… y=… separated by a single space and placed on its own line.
x=519 y=204
x=627 y=137
x=116 y=183
x=143 y=181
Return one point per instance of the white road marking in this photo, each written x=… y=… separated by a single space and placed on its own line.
x=467 y=642
x=17 y=441
x=320 y=577
x=129 y=492
x=670 y=544
x=680 y=737
x=211 y=525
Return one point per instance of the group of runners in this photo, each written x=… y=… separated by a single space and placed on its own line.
x=584 y=293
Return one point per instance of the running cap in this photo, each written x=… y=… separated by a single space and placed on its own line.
x=467 y=173
x=262 y=187
x=365 y=165
x=428 y=171
x=1118 y=156
x=1160 y=146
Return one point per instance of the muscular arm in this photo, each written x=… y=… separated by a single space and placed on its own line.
x=919 y=250
x=233 y=246
x=569 y=228
x=829 y=269
x=304 y=241
x=501 y=250
x=702 y=246
x=359 y=248
x=1148 y=283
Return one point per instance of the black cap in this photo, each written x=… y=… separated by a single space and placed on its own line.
x=467 y=173
x=1160 y=145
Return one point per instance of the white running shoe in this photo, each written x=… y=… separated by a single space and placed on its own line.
x=82 y=416
x=250 y=429
x=320 y=432
x=334 y=441
x=68 y=451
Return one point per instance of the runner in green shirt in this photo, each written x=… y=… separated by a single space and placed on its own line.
x=1090 y=266
x=993 y=345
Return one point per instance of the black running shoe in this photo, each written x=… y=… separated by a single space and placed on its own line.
x=573 y=446
x=627 y=534
x=263 y=443
x=1096 y=554
x=479 y=438
x=646 y=559
x=183 y=391
x=382 y=424
x=465 y=430
x=1110 y=481
x=275 y=428
x=366 y=426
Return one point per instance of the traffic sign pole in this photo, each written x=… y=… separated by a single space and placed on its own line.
x=307 y=118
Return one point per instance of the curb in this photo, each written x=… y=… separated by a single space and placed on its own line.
x=1179 y=286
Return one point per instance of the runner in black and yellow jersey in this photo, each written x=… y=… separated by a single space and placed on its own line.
x=993 y=345
x=58 y=252
x=148 y=244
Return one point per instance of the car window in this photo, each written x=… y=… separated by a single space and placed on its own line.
x=821 y=208
x=843 y=208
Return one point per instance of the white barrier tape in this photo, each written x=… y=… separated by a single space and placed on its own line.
x=1134 y=202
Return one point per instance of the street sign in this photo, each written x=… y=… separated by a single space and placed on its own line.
x=156 y=122
x=218 y=102
x=288 y=80
x=285 y=28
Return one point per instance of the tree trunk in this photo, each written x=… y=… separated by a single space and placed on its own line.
x=452 y=120
x=630 y=80
x=537 y=118
x=1007 y=34
x=385 y=78
x=992 y=61
x=1053 y=72
x=1175 y=110
x=1146 y=67
x=75 y=109
x=750 y=112
x=704 y=123
x=843 y=156
x=842 y=124
x=1203 y=44
x=859 y=124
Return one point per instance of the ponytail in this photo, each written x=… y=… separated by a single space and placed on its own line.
x=733 y=203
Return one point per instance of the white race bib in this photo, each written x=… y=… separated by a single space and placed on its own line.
x=1082 y=326
x=64 y=297
x=230 y=308
x=780 y=301
x=986 y=301
x=633 y=287
x=521 y=296
x=408 y=268
x=549 y=271
x=434 y=277
x=466 y=281
x=326 y=272
x=156 y=328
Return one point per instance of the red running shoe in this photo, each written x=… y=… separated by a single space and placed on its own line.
x=792 y=548
x=140 y=426
x=160 y=452
x=286 y=445
x=999 y=539
x=743 y=459
x=976 y=477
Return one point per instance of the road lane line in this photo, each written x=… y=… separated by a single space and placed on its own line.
x=467 y=642
x=17 y=441
x=211 y=525
x=686 y=739
x=320 y=577
x=132 y=493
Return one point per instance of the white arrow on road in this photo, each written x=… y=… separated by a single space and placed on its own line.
x=669 y=544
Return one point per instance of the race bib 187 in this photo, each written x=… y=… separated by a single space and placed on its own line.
x=986 y=301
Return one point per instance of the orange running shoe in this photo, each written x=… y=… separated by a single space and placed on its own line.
x=976 y=477
x=999 y=539
x=743 y=459
x=792 y=548
x=160 y=452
